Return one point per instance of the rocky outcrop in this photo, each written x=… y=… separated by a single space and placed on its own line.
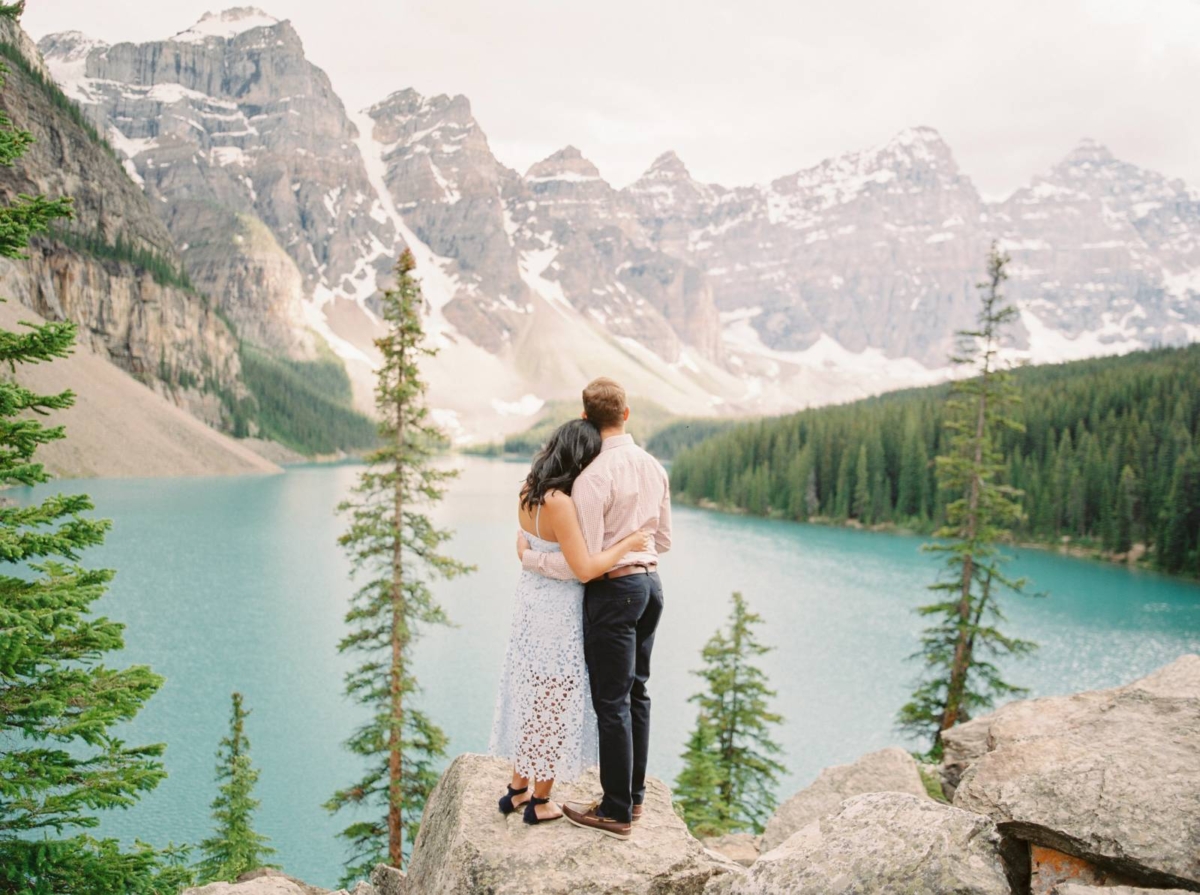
x=262 y=882
x=962 y=746
x=1110 y=776
x=888 y=770
x=885 y=843
x=266 y=885
x=465 y=846
x=1077 y=889
x=743 y=848
x=385 y=880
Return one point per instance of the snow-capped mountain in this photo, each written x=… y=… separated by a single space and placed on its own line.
x=1105 y=255
x=251 y=157
x=839 y=280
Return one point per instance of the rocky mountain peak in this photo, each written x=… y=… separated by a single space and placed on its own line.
x=916 y=147
x=408 y=103
x=568 y=164
x=1088 y=151
x=667 y=166
x=914 y=160
x=667 y=187
x=69 y=45
x=226 y=25
x=66 y=53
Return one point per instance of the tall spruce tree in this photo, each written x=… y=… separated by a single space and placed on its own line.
x=395 y=546
x=61 y=762
x=234 y=847
x=958 y=647
x=730 y=770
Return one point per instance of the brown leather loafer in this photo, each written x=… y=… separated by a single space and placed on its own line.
x=637 y=813
x=590 y=819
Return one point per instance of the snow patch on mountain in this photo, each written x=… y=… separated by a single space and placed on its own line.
x=437 y=286
x=226 y=25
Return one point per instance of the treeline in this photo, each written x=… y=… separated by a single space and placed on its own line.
x=302 y=404
x=53 y=93
x=1108 y=456
x=164 y=270
x=668 y=442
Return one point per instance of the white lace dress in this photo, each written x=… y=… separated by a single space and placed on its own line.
x=544 y=721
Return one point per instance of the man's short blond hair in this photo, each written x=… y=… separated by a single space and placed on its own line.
x=604 y=403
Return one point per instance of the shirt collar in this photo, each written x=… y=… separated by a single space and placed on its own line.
x=616 y=441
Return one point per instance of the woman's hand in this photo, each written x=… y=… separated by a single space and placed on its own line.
x=639 y=542
x=522 y=545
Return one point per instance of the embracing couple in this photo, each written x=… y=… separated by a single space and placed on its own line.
x=594 y=513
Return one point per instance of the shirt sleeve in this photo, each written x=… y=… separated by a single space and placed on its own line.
x=589 y=497
x=662 y=535
x=548 y=565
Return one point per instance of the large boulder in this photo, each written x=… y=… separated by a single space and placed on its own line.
x=466 y=846
x=962 y=746
x=885 y=843
x=742 y=848
x=1076 y=889
x=259 y=882
x=1110 y=776
x=386 y=880
x=888 y=770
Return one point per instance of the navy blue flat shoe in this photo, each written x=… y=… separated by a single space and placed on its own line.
x=531 y=811
x=506 y=801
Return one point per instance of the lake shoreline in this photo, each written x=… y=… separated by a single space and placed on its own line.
x=1139 y=562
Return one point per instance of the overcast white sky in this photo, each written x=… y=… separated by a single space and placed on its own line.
x=751 y=90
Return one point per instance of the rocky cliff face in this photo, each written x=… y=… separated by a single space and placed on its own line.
x=167 y=336
x=248 y=156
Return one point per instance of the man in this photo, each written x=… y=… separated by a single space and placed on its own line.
x=624 y=490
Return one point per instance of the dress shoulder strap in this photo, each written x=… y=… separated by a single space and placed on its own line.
x=537 y=520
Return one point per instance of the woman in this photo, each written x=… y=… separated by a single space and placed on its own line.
x=544 y=722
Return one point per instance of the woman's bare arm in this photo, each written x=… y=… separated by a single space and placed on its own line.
x=586 y=566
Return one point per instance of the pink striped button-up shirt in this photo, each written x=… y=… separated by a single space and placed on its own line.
x=622 y=491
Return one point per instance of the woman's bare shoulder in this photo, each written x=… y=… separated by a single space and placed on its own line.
x=558 y=503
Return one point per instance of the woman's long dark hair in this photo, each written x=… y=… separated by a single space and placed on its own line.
x=570 y=449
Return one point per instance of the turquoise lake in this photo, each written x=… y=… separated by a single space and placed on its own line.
x=238 y=584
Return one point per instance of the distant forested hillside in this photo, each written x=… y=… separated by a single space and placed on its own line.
x=305 y=405
x=1109 y=456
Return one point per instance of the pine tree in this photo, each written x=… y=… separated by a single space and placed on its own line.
x=739 y=744
x=841 y=500
x=861 y=508
x=61 y=762
x=1178 y=548
x=912 y=490
x=1127 y=491
x=698 y=786
x=957 y=649
x=234 y=847
x=395 y=546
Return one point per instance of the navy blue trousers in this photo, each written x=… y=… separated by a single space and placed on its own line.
x=619 y=619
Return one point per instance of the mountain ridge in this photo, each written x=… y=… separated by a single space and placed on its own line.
x=837 y=280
